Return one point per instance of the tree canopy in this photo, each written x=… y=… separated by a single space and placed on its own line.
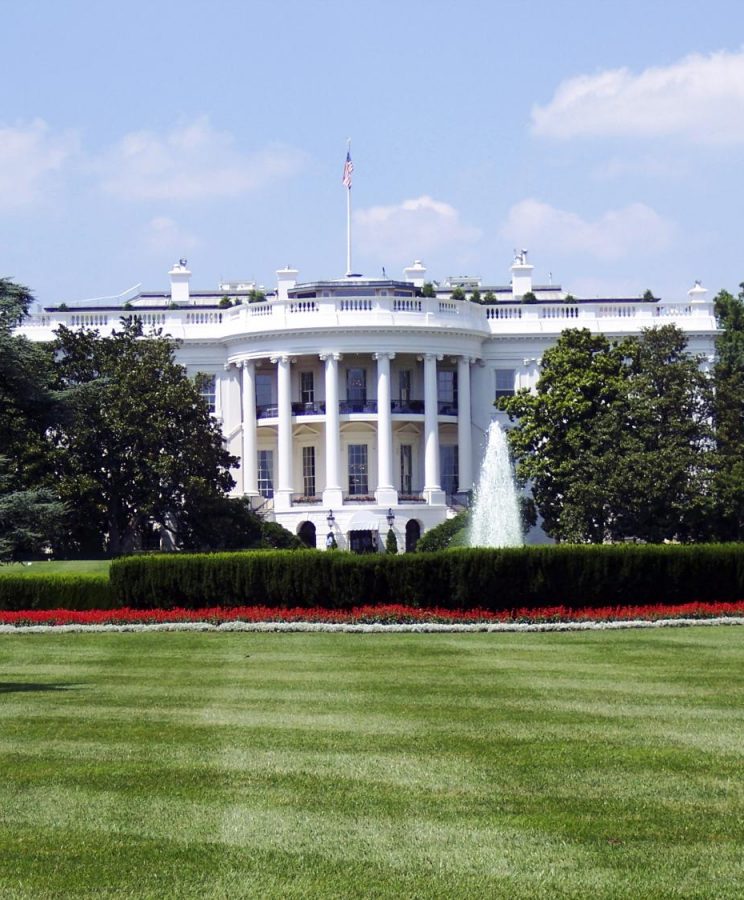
x=613 y=441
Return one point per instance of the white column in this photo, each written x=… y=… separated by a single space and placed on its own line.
x=283 y=493
x=432 y=487
x=249 y=463
x=386 y=495
x=332 y=495
x=464 y=429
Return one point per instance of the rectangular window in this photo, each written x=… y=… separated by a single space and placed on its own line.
x=406 y=468
x=308 y=471
x=356 y=385
x=404 y=385
x=266 y=473
x=264 y=389
x=358 y=482
x=208 y=390
x=307 y=387
x=447 y=386
x=449 y=469
x=504 y=382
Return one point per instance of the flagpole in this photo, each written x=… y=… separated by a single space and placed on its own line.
x=348 y=215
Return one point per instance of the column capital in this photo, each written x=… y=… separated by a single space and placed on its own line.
x=247 y=363
x=437 y=356
x=282 y=357
x=385 y=355
x=326 y=356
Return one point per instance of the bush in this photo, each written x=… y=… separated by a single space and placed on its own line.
x=509 y=578
x=442 y=536
x=19 y=592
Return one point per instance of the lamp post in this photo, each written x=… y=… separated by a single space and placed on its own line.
x=390 y=517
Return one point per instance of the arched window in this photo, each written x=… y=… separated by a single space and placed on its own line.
x=413 y=533
x=306 y=533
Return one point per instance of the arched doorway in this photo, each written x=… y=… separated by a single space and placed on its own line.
x=413 y=533
x=306 y=533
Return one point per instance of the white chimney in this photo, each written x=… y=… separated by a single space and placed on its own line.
x=416 y=274
x=179 y=279
x=286 y=279
x=697 y=293
x=521 y=275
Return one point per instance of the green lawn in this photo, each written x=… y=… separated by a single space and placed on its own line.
x=58 y=567
x=444 y=766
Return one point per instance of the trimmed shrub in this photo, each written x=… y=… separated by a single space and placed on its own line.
x=500 y=579
x=41 y=591
x=441 y=536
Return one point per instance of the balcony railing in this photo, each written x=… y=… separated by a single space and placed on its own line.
x=267 y=412
x=305 y=500
x=447 y=407
x=415 y=407
x=314 y=408
x=357 y=406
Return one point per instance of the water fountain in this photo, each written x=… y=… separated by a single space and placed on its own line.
x=495 y=520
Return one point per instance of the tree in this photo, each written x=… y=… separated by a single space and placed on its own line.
x=140 y=447
x=529 y=297
x=428 y=290
x=727 y=519
x=391 y=543
x=457 y=293
x=475 y=297
x=614 y=441
x=29 y=516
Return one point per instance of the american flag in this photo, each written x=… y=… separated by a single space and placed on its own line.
x=348 y=169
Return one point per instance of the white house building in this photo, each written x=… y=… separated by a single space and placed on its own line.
x=361 y=404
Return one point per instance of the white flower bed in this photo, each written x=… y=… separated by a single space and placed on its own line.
x=376 y=628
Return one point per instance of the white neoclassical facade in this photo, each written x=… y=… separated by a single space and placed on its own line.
x=360 y=404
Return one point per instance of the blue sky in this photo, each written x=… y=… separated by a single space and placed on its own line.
x=608 y=138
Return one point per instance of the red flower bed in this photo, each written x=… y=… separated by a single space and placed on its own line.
x=390 y=614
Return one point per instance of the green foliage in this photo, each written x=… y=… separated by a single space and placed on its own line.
x=29 y=407
x=529 y=297
x=648 y=296
x=256 y=296
x=475 y=296
x=428 y=290
x=139 y=445
x=42 y=591
x=441 y=536
x=391 y=543
x=225 y=302
x=275 y=537
x=614 y=441
x=489 y=297
x=509 y=578
x=457 y=293
x=569 y=298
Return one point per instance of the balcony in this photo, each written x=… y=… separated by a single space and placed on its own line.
x=312 y=408
x=447 y=407
x=408 y=407
x=366 y=407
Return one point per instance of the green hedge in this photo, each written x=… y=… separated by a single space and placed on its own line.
x=55 y=592
x=573 y=576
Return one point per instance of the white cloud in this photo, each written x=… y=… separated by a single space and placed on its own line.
x=700 y=98
x=191 y=162
x=163 y=236
x=30 y=155
x=411 y=229
x=616 y=234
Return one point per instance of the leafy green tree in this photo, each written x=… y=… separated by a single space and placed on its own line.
x=457 y=293
x=140 y=446
x=475 y=297
x=529 y=297
x=428 y=290
x=29 y=516
x=489 y=297
x=728 y=416
x=614 y=441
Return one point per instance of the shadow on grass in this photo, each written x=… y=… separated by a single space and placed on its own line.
x=20 y=687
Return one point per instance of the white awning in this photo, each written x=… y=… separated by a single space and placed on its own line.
x=364 y=521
